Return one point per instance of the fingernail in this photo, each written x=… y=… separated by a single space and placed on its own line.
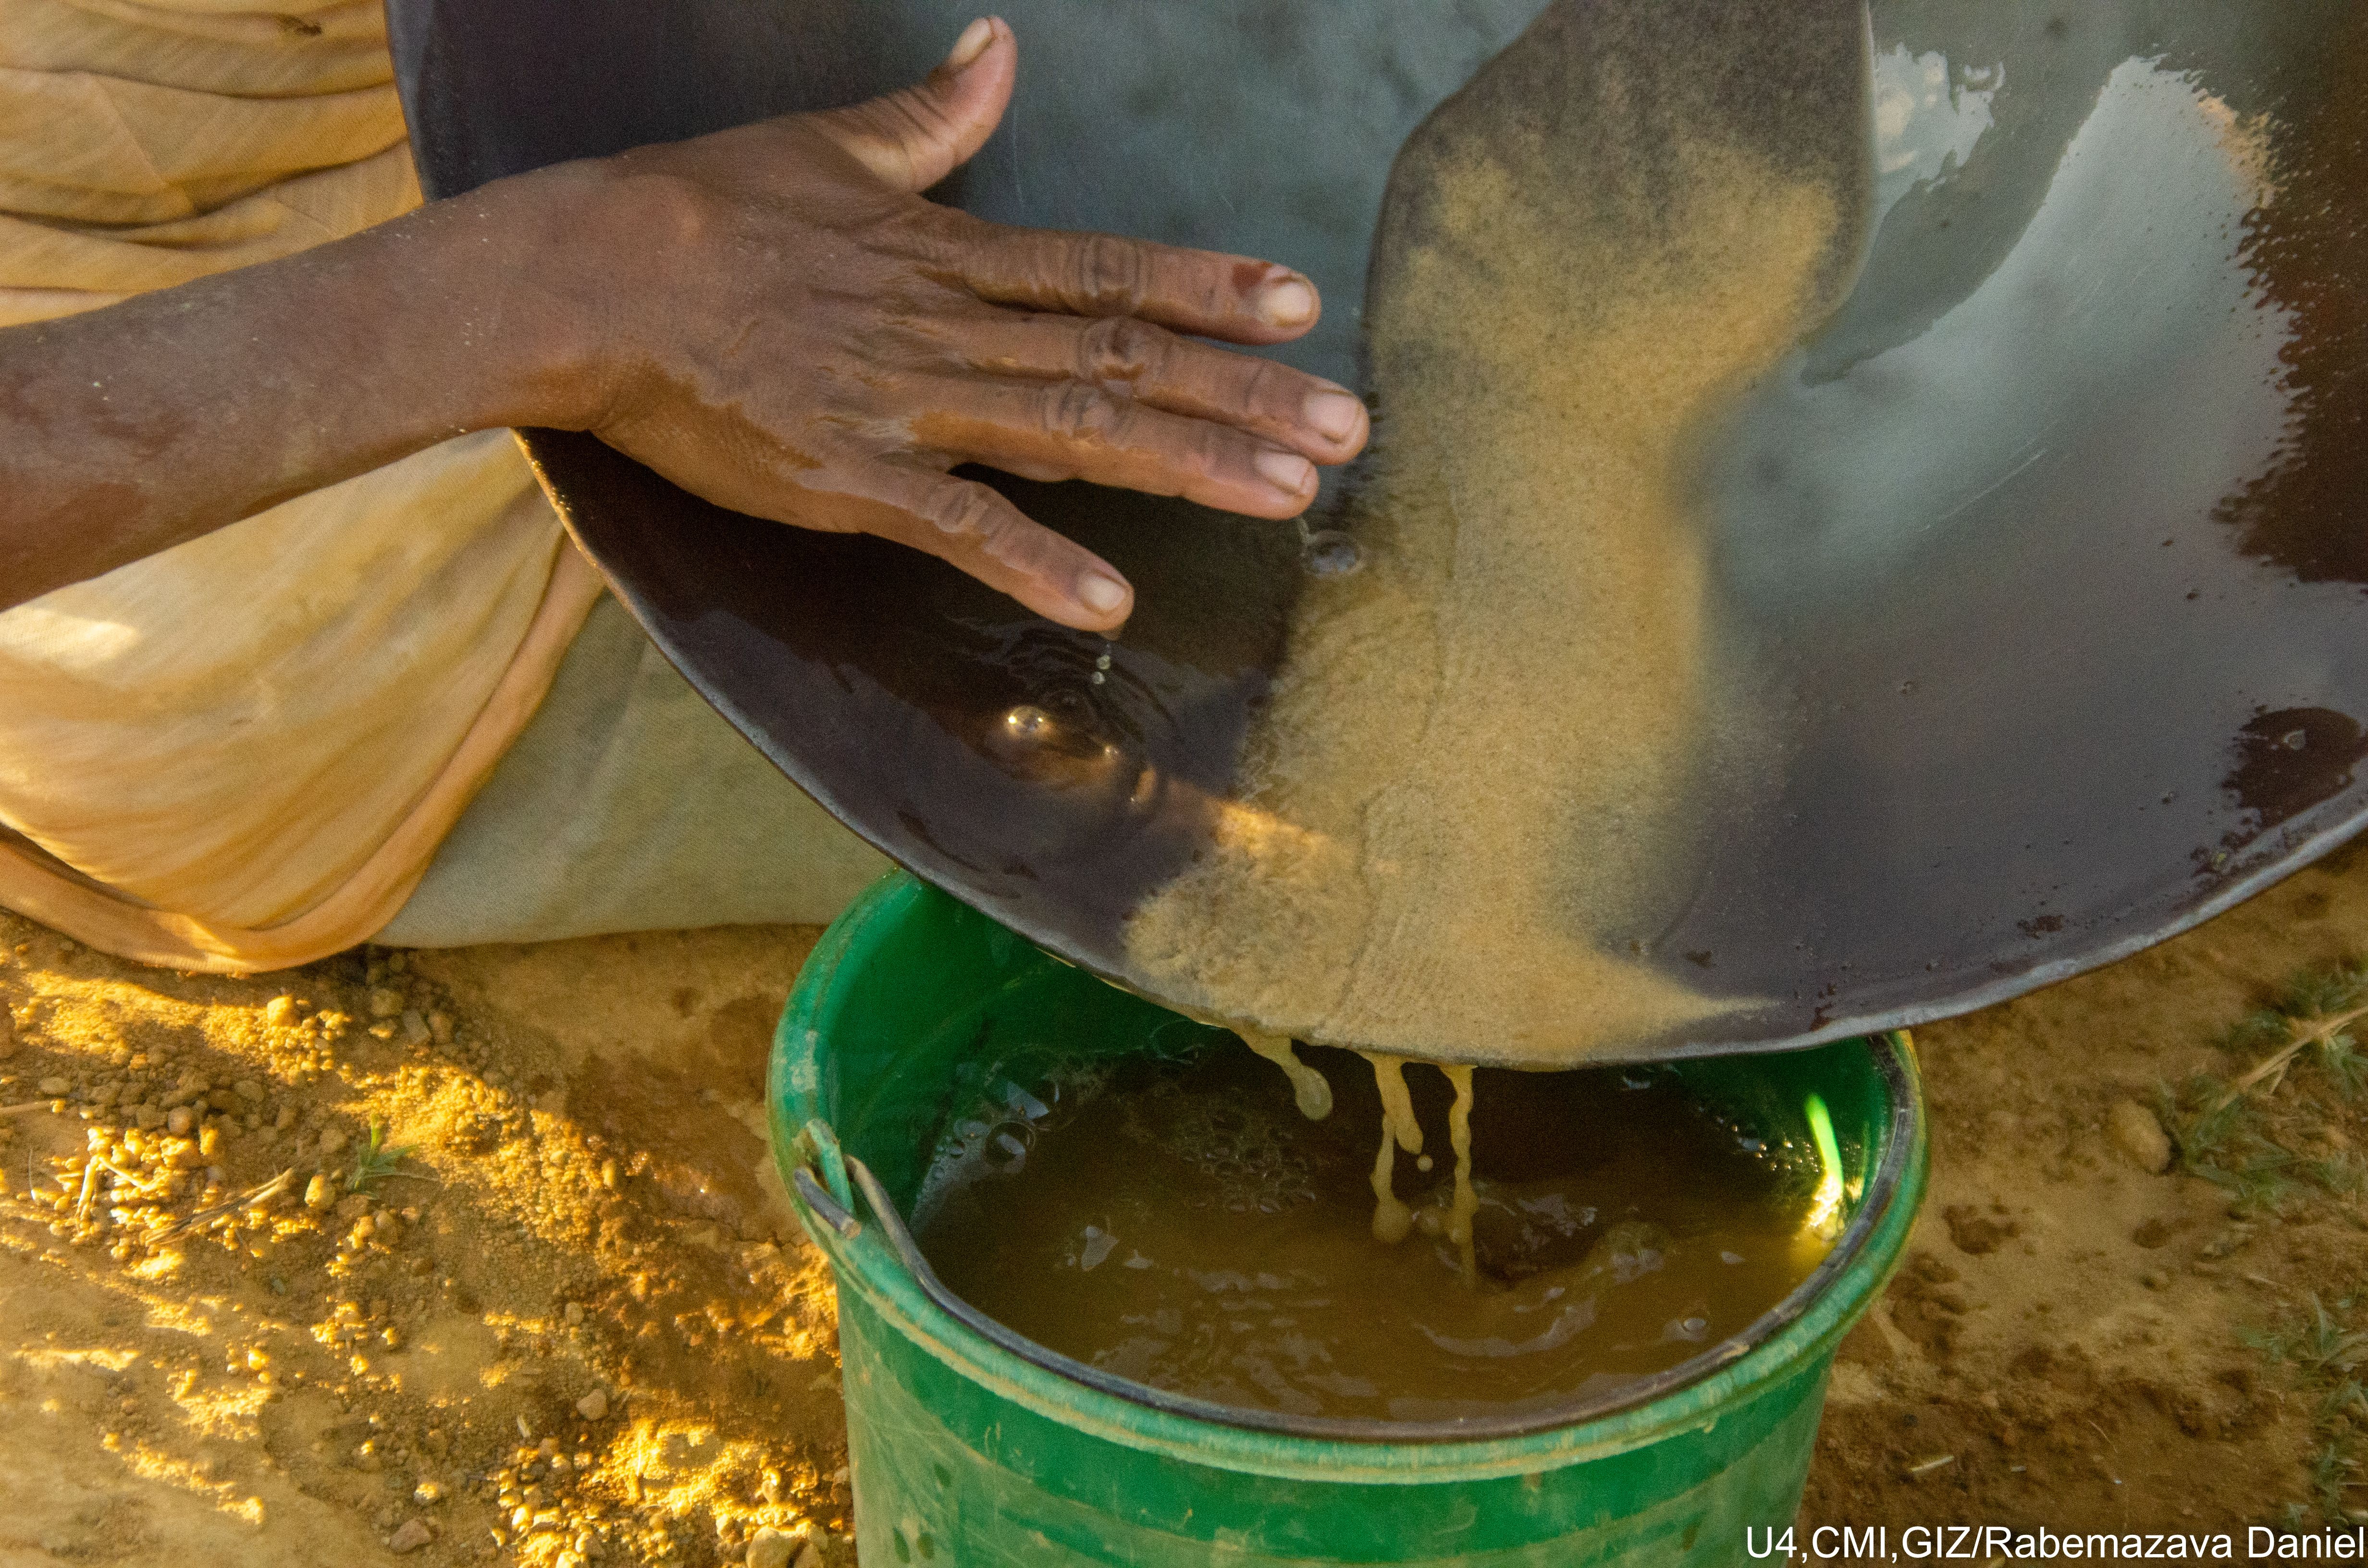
x=1335 y=415
x=1100 y=592
x=1286 y=303
x=970 y=45
x=1286 y=472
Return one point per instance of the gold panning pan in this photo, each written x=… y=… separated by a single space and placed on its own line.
x=1864 y=518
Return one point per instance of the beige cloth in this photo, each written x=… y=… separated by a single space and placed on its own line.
x=628 y=804
x=243 y=753
x=142 y=146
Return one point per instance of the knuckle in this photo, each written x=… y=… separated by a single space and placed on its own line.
x=1121 y=349
x=963 y=510
x=1078 y=410
x=886 y=135
x=1270 y=385
x=668 y=209
x=1211 y=451
x=1109 y=275
x=909 y=123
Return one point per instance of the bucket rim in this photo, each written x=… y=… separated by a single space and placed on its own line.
x=879 y=1260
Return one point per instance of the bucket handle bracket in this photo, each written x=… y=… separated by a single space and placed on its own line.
x=830 y=1196
x=824 y=1205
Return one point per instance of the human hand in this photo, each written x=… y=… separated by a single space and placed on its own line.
x=774 y=318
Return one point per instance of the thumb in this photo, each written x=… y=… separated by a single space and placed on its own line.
x=914 y=137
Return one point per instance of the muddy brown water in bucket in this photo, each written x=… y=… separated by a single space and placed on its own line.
x=1182 y=1224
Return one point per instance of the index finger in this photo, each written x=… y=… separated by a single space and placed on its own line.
x=1236 y=297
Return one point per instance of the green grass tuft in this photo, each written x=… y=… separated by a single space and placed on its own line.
x=375 y=1162
x=2327 y=1346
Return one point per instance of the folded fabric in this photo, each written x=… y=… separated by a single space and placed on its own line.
x=244 y=751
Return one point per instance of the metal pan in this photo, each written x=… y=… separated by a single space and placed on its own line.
x=2034 y=574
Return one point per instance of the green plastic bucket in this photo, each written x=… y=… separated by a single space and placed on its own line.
x=970 y=1445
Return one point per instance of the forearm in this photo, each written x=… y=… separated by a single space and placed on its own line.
x=126 y=430
x=772 y=317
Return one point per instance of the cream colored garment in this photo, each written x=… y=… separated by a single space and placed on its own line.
x=142 y=146
x=242 y=753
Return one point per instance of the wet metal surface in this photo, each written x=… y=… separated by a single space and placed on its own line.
x=2038 y=575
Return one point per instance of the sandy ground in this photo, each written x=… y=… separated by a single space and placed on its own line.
x=573 y=1322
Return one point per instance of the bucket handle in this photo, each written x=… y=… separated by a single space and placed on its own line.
x=891 y=1223
x=908 y=1253
x=817 y=1146
x=825 y=1206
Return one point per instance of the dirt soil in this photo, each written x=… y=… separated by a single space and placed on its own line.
x=572 y=1321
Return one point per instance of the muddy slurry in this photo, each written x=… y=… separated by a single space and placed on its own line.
x=1182 y=1224
x=1473 y=786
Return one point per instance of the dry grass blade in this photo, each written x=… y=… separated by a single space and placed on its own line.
x=89 y=1188
x=26 y=1107
x=264 y=1194
x=90 y=1185
x=2305 y=1032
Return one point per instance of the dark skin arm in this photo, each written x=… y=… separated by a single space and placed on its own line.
x=771 y=317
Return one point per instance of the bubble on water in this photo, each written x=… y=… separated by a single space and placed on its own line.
x=1098 y=1245
x=1246 y=1153
x=1328 y=552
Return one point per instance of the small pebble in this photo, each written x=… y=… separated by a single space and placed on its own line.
x=427 y=1492
x=593 y=1406
x=770 y=1547
x=2139 y=1136
x=54 y=1087
x=179 y=1119
x=332 y=1142
x=281 y=1012
x=385 y=1003
x=320 y=1193
x=413 y=1535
